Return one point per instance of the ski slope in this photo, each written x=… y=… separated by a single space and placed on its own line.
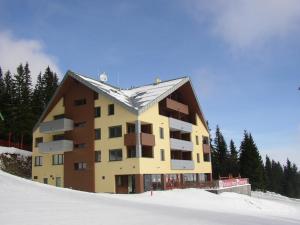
x=29 y=203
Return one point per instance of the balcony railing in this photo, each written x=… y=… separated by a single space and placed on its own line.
x=206 y=148
x=177 y=144
x=177 y=164
x=179 y=125
x=59 y=125
x=177 y=106
x=146 y=139
x=56 y=146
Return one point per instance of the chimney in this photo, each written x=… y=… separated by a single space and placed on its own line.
x=157 y=80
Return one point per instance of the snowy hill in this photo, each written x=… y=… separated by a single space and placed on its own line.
x=13 y=150
x=29 y=203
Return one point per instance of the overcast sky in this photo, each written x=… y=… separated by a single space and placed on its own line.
x=242 y=56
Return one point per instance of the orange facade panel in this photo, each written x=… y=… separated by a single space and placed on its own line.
x=177 y=106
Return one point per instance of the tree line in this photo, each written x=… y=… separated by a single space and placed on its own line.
x=21 y=104
x=247 y=162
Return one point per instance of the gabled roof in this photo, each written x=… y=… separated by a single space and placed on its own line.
x=137 y=99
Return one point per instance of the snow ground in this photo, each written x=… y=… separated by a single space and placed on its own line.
x=13 y=150
x=29 y=203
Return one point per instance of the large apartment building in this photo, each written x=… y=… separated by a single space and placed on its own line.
x=95 y=137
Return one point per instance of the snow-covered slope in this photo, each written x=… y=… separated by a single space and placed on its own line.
x=13 y=150
x=26 y=202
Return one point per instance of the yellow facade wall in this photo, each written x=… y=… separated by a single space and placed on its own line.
x=47 y=170
x=105 y=170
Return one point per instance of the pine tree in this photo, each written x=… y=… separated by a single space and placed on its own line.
x=290 y=188
x=251 y=165
x=38 y=102
x=233 y=160
x=277 y=177
x=51 y=83
x=219 y=156
x=268 y=175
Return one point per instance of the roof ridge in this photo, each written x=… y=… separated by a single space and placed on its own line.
x=126 y=89
x=98 y=81
x=183 y=77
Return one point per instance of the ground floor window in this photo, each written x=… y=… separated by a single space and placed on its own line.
x=152 y=182
x=45 y=180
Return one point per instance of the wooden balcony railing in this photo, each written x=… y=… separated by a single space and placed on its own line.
x=177 y=106
x=146 y=139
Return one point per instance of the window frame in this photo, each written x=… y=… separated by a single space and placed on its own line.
x=38 y=162
x=97 y=154
x=97 y=112
x=161 y=133
x=111 y=109
x=36 y=143
x=116 y=159
x=97 y=134
x=59 y=161
x=114 y=127
x=162 y=155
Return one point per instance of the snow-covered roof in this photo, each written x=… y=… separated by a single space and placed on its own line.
x=138 y=97
x=12 y=150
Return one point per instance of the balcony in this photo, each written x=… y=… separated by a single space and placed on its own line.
x=177 y=164
x=206 y=148
x=59 y=125
x=181 y=145
x=179 y=125
x=146 y=139
x=56 y=146
x=177 y=106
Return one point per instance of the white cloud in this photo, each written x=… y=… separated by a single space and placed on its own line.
x=248 y=23
x=14 y=51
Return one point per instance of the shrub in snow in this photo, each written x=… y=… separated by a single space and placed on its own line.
x=16 y=164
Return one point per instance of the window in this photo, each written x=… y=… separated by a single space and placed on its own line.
x=206 y=157
x=97 y=134
x=81 y=145
x=161 y=133
x=45 y=180
x=58 y=181
x=97 y=156
x=58 y=137
x=79 y=124
x=162 y=155
x=60 y=116
x=205 y=140
x=131 y=152
x=80 y=166
x=115 y=131
x=97 y=111
x=58 y=159
x=38 y=140
x=198 y=158
x=79 y=102
x=111 y=109
x=115 y=155
x=38 y=160
x=197 y=140
x=130 y=128
x=35 y=177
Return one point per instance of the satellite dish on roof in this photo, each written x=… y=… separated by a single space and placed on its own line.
x=103 y=77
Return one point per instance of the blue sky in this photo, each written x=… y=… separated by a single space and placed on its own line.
x=243 y=56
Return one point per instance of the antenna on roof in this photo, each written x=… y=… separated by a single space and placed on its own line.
x=157 y=80
x=103 y=77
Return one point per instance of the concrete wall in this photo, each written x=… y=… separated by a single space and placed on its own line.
x=241 y=189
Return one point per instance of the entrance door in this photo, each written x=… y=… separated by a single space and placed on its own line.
x=131 y=184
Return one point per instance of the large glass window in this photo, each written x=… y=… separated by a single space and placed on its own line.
x=115 y=131
x=58 y=159
x=115 y=155
x=38 y=160
x=80 y=166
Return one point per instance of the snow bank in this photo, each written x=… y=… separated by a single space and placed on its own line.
x=29 y=203
x=13 y=150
